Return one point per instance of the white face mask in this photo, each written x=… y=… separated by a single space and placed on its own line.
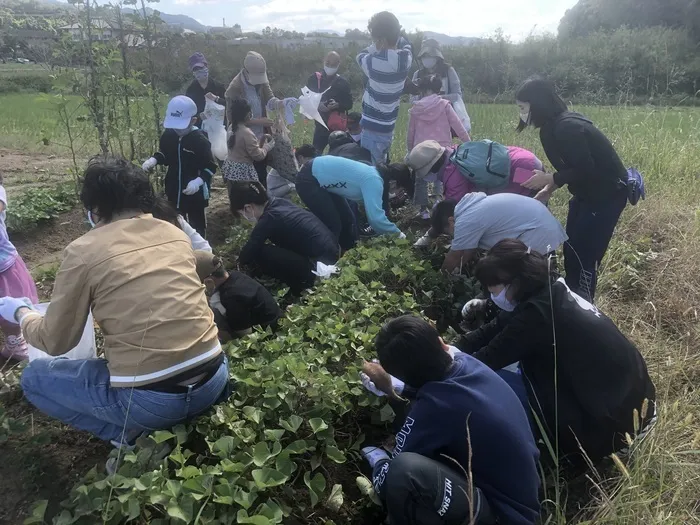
x=502 y=301
x=429 y=62
x=330 y=71
x=357 y=137
x=252 y=219
x=90 y=219
x=525 y=113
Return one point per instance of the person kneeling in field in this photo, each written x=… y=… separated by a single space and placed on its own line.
x=163 y=363
x=239 y=302
x=479 y=221
x=464 y=424
x=587 y=383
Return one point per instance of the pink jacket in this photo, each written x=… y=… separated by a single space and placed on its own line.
x=522 y=164
x=432 y=118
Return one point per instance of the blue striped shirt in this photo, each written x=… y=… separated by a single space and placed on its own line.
x=386 y=73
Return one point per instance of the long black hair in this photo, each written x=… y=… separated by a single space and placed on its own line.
x=163 y=210
x=240 y=109
x=545 y=103
x=399 y=172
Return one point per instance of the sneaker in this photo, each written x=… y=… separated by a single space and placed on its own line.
x=15 y=348
x=368 y=231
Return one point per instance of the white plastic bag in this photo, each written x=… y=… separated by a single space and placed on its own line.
x=461 y=110
x=324 y=271
x=86 y=348
x=277 y=186
x=308 y=105
x=213 y=126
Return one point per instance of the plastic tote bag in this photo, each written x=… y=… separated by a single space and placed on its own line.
x=213 y=126
x=461 y=110
x=86 y=348
x=308 y=105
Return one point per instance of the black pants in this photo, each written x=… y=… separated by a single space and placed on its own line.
x=590 y=227
x=195 y=215
x=333 y=210
x=261 y=169
x=289 y=267
x=421 y=491
x=321 y=135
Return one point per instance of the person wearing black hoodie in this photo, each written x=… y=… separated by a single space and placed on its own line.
x=586 y=161
x=586 y=382
x=462 y=419
x=341 y=144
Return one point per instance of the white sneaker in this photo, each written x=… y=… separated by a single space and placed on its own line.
x=15 y=348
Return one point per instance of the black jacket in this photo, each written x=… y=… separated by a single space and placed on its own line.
x=583 y=157
x=601 y=376
x=344 y=146
x=296 y=229
x=187 y=158
x=197 y=93
x=247 y=303
x=339 y=91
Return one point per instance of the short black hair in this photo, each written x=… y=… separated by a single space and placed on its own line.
x=354 y=116
x=385 y=26
x=112 y=185
x=430 y=83
x=410 y=349
x=306 y=151
x=510 y=262
x=441 y=213
x=545 y=103
x=163 y=210
x=241 y=193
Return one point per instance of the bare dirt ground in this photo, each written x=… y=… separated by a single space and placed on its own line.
x=48 y=458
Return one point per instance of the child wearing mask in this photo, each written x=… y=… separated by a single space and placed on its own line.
x=186 y=151
x=15 y=281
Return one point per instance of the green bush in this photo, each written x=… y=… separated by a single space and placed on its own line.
x=287 y=442
x=39 y=204
x=27 y=83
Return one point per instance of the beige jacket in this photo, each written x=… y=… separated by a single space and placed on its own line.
x=138 y=275
x=235 y=91
x=247 y=147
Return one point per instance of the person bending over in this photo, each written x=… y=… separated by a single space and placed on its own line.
x=297 y=238
x=479 y=221
x=463 y=421
x=239 y=302
x=137 y=274
x=588 y=384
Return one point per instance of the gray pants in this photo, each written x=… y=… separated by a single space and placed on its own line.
x=420 y=196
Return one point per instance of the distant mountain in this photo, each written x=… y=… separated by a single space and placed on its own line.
x=324 y=31
x=184 y=21
x=452 y=41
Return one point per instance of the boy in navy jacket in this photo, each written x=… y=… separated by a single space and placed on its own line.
x=463 y=419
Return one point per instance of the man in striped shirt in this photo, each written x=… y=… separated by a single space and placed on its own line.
x=386 y=64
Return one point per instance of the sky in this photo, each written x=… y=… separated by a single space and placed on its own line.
x=517 y=18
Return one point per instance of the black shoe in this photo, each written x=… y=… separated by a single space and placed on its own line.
x=367 y=232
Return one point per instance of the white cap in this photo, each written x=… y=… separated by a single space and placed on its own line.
x=180 y=111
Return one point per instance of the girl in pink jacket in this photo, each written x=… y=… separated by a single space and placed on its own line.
x=432 y=117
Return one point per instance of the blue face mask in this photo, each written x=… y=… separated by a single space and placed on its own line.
x=201 y=74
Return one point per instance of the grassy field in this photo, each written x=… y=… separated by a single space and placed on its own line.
x=650 y=285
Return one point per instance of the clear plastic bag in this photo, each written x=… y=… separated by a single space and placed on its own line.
x=213 y=126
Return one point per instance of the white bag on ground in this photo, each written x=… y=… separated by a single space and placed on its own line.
x=308 y=105
x=461 y=110
x=324 y=271
x=213 y=126
x=86 y=348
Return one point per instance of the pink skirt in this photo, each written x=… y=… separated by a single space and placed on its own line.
x=16 y=281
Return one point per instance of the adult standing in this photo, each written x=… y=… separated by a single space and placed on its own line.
x=432 y=62
x=253 y=85
x=203 y=87
x=335 y=102
x=586 y=161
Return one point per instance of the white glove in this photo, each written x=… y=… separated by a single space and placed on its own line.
x=193 y=186
x=374 y=455
x=402 y=235
x=9 y=307
x=150 y=164
x=396 y=384
x=474 y=304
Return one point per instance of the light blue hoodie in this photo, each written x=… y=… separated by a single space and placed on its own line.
x=357 y=182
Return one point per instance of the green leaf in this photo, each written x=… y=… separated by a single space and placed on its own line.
x=180 y=511
x=367 y=489
x=253 y=413
x=335 y=455
x=316 y=486
x=335 y=500
x=242 y=517
x=268 y=477
x=261 y=454
x=315 y=461
x=274 y=435
x=386 y=413
x=292 y=424
x=190 y=471
x=243 y=498
x=317 y=425
x=284 y=464
x=134 y=509
x=160 y=436
x=226 y=446
x=38 y=513
x=299 y=447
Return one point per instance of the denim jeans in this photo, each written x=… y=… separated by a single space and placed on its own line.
x=378 y=144
x=78 y=393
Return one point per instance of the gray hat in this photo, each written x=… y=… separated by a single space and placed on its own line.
x=431 y=48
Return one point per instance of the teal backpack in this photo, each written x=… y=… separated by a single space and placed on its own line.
x=485 y=163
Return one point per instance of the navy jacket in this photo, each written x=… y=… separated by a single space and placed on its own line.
x=503 y=451
x=288 y=226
